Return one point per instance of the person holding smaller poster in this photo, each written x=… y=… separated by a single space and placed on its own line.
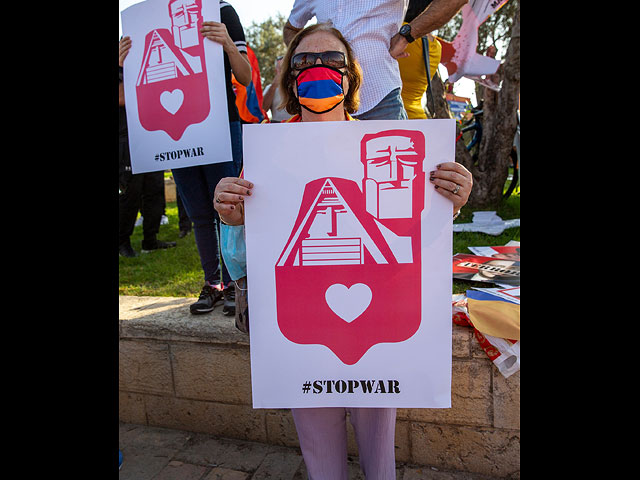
x=142 y=192
x=320 y=82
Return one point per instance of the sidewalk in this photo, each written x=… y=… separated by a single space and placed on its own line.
x=152 y=453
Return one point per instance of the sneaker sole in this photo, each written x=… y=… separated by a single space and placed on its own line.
x=197 y=311
x=200 y=311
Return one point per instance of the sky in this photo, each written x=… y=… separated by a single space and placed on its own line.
x=257 y=11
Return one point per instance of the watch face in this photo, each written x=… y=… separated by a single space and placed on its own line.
x=405 y=29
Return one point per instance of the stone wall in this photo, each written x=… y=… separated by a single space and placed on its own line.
x=193 y=373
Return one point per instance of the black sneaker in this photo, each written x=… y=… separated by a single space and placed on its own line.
x=229 y=298
x=127 y=251
x=209 y=298
x=159 y=244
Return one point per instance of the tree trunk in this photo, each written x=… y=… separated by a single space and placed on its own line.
x=498 y=128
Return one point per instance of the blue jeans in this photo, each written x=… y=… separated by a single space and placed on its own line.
x=196 y=186
x=389 y=108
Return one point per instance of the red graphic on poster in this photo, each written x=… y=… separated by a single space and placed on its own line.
x=349 y=276
x=172 y=88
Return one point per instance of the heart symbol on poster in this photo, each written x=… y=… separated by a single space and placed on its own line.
x=172 y=101
x=348 y=303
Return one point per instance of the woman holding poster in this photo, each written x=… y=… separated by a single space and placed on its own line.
x=320 y=83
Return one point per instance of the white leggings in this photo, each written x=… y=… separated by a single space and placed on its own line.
x=322 y=433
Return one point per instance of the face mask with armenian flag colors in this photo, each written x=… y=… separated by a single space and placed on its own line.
x=320 y=88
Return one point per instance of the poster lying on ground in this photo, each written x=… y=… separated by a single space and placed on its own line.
x=175 y=94
x=486 y=269
x=348 y=263
x=507 y=252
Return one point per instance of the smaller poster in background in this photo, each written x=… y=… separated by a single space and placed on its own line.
x=175 y=94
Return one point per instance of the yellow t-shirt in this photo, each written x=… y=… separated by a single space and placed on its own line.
x=414 y=75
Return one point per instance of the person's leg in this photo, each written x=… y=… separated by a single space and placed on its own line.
x=322 y=433
x=196 y=186
x=193 y=187
x=129 y=201
x=184 y=223
x=389 y=108
x=152 y=208
x=213 y=174
x=375 y=433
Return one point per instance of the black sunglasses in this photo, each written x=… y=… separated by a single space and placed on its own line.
x=307 y=59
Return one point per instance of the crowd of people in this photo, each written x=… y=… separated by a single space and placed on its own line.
x=371 y=54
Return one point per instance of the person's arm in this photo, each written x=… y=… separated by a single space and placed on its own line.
x=433 y=17
x=289 y=32
x=301 y=13
x=121 y=94
x=267 y=97
x=270 y=92
x=239 y=61
x=123 y=50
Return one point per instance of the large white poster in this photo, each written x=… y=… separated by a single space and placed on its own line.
x=175 y=94
x=349 y=264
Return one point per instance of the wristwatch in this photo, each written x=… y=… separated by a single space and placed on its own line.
x=405 y=31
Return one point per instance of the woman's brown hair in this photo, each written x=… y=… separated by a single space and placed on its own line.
x=287 y=79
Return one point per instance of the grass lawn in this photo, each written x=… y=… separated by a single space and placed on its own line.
x=176 y=272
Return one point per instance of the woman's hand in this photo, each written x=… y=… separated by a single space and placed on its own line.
x=229 y=198
x=123 y=50
x=217 y=32
x=453 y=181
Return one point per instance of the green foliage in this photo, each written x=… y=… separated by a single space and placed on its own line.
x=265 y=39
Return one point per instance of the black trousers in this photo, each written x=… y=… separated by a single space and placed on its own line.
x=142 y=192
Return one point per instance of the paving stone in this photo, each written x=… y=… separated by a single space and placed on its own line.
x=153 y=437
x=152 y=453
x=430 y=473
x=220 y=473
x=181 y=471
x=232 y=454
x=279 y=464
x=143 y=463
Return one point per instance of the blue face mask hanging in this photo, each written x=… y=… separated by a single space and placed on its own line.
x=234 y=250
